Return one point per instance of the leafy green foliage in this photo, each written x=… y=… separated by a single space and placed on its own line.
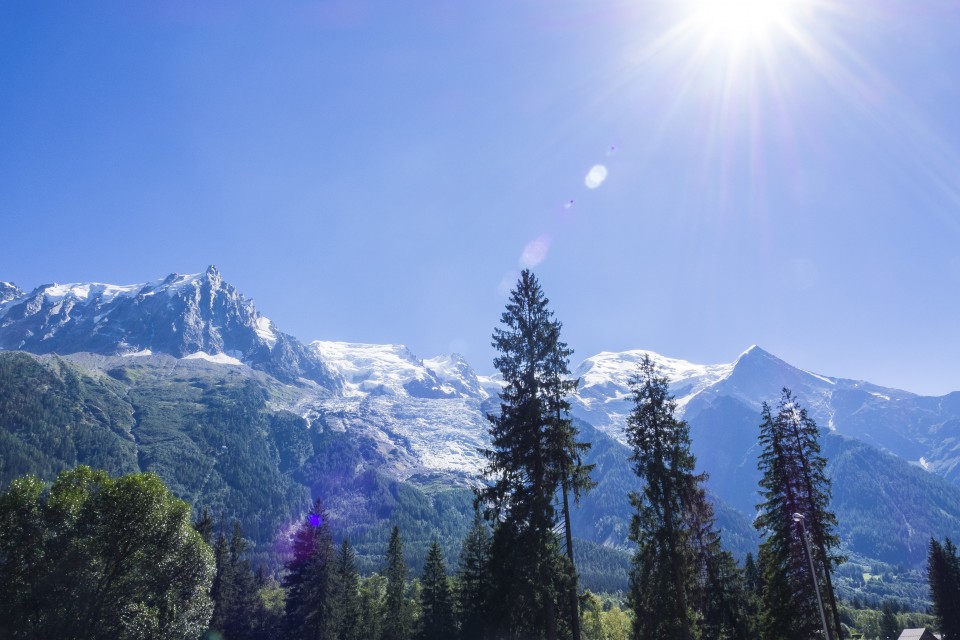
x=101 y=557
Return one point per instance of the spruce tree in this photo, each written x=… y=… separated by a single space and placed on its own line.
x=245 y=606
x=473 y=581
x=796 y=495
x=718 y=595
x=436 y=619
x=222 y=590
x=662 y=572
x=347 y=594
x=534 y=456
x=889 y=627
x=309 y=580
x=397 y=624
x=943 y=573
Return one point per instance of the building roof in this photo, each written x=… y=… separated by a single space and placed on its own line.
x=917 y=634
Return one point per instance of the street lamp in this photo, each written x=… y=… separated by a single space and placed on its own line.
x=798 y=517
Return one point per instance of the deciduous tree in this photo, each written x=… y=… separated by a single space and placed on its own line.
x=101 y=557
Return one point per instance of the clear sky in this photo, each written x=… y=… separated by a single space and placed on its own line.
x=377 y=171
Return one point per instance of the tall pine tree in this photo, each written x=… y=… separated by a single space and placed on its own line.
x=796 y=495
x=534 y=457
x=436 y=606
x=473 y=581
x=718 y=595
x=309 y=580
x=663 y=566
x=397 y=624
x=943 y=571
x=243 y=606
x=346 y=594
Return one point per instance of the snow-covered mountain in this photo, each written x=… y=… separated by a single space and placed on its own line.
x=424 y=419
x=203 y=316
x=922 y=430
x=186 y=316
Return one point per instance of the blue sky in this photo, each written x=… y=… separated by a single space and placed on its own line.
x=376 y=171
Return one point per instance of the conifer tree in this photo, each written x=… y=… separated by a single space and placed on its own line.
x=244 y=605
x=222 y=589
x=347 y=594
x=398 y=623
x=436 y=606
x=309 y=581
x=534 y=457
x=473 y=581
x=889 y=627
x=753 y=590
x=796 y=495
x=662 y=573
x=943 y=572
x=204 y=526
x=718 y=595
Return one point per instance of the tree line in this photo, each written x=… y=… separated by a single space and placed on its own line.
x=121 y=557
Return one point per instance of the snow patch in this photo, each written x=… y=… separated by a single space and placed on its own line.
x=138 y=354
x=219 y=358
x=819 y=377
x=373 y=368
x=84 y=291
x=264 y=328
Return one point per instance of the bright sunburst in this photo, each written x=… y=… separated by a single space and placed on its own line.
x=741 y=23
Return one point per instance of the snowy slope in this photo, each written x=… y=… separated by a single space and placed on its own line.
x=180 y=315
x=424 y=416
x=393 y=370
x=430 y=403
x=604 y=399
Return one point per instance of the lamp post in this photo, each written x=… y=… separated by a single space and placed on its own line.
x=798 y=517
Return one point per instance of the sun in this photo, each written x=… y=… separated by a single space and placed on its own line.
x=741 y=24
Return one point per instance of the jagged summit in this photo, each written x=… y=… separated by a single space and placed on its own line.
x=193 y=315
x=9 y=291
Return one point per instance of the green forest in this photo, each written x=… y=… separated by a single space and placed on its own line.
x=145 y=506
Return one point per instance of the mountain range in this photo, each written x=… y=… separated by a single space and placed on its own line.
x=163 y=371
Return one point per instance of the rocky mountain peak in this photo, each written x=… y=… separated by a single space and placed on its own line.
x=9 y=291
x=199 y=315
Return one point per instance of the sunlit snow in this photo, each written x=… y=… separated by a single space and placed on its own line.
x=219 y=358
x=264 y=329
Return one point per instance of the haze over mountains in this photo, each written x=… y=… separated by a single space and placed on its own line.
x=379 y=413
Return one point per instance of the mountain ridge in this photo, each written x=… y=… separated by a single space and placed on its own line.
x=423 y=421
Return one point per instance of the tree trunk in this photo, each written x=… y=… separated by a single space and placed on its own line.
x=574 y=601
